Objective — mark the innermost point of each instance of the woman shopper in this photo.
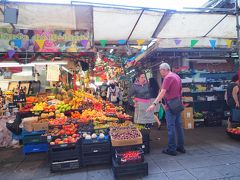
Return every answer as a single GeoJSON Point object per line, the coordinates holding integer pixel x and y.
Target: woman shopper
{"type": "Point", "coordinates": [142, 99]}
{"type": "Point", "coordinates": [232, 97]}
{"type": "Point", "coordinates": [154, 90]}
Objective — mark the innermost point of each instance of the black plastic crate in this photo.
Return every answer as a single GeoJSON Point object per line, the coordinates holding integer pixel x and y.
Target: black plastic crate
{"type": "Point", "coordinates": [34, 139]}
{"type": "Point", "coordinates": [129, 169]}
{"type": "Point", "coordinates": [64, 152]}
{"type": "Point", "coordinates": [64, 165]}
{"type": "Point", "coordinates": [234, 136]}
{"type": "Point", "coordinates": [96, 158]}
{"type": "Point", "coordinates": [97, 147]}
{"type": "Point", "coordinates": [119, 157]}
{"type": "Point", "coordinates": [126, 148]}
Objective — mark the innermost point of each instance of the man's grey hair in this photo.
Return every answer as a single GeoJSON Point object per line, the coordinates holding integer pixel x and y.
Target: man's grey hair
{"type": "Point", "coordinates": [165, 66]}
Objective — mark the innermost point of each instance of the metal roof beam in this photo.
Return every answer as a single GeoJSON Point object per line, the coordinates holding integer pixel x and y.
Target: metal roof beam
{"type": "Point", "coordinates": [215, 25]}
{"type": "Point", "coordinates": [135, 26]}
{"type": "Point", "coordinates": [163, 21]}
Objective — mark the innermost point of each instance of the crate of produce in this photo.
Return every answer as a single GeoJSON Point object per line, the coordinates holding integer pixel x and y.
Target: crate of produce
{"type": "Point", "coordinates": [26, 133]}
{"type": "Point", "coordinates": [234, 133]}
{"type": "Point", "coordinates": [88, 139]}
{"type": "Point", "coordinates": [34, 148]}
{"type": "Point", "coordinates": [34, 139]}
{"type": "Point", "coordinates": [129, 156]}
{"type": "Point", "coordinates": [98, 147]}
{"type": "Point", "coordinates": [63, 152]}
{"type": "Point", "coordinates": [96, 158]}
{"type": "Point", "coordinates": [125, 136]}
{"type": "Point", "coordinates": [64, 165]}
{"type": "Point", "coordinates": [129, 169]}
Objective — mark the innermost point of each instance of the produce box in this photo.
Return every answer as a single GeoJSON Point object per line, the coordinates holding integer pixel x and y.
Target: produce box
{"type": "Point", "coordinates": [40, 126]}
{"type": "Point", "coordinates": [35, 139]}
{"type": "Point", "coordinates": [233, 135]}
{"type": "Point", "coordinates": [130, 136]}
{"type": "Point", "coordinates": [64, 152]}
{"type": "Point", "coordinates": [96, 147]}
{"type": "Point", "coordinates": [96, 140]}
{"type": "Point", "coordinates": [188, 123]}
{"type": "Point", "coordinates": [96, 153]}
{"type": "Point", "coordinates": [129, 169]}
{"type": "Point", "coordinates": [187, 118]}
{"type": "Point", "coordinates": [64, 165]}
{"type": "Point", "coordinates": [34, 148]}
{"type": "Point", "coordinates": [96, 158]}
{"type": "Point", "coordinates": [26, 133]}
{"type": "Point", "coordinates": [129, 157]}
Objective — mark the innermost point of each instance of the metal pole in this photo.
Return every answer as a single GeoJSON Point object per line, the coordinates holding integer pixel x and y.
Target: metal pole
{"type": "Point", "coordinates": [237, 28]}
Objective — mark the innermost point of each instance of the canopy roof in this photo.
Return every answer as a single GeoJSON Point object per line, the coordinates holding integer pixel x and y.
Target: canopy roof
{"type": "Point", "coordinates": [113, 24]}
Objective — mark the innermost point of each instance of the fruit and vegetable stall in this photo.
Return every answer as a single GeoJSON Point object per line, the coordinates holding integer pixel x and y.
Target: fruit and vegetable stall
{"type": "Point", "coordinates": [80, 130]}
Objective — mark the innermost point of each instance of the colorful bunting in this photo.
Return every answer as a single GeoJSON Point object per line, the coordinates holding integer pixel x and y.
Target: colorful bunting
{"type": "Point", "coordinates": [229, 43]}
{"type": "Point", "coordinates": [121, 42]}
{"type": "Point", "coordinates": [193, 43]}
{"type": "Point", "coordinates": [213, 43]}
{"type": "Point", "coordinates": [40, 43]}
{"type": "Point", "coordinates": [178, 41]}
{"type": "Point", "coordinates": [84, 43]}
{"type": "Point", "coordinates": [140, 42]}
{"type": "Point", "coordinates": [18, 42]}
{"type": "Point", "coordinates": [11, 53]}
{"type": "Point", "coordinates": [103, 43]}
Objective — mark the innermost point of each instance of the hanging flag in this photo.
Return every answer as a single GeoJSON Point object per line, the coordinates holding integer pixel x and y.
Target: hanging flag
{"type": "Point", "coordinates": [11, 53]}
{"type": "Point", "coordinates": [193, 43]}
{"type": "Point", "coordinates": [18, 42]}
{"type": "Point", "coordinates": [84, 43]}
{"type": "Point", "coordinates": [178, 41]}
{"type": "Point", "coordinates": [122, 42]}
{"type": "Point", "coordinates": [229, 43]}
{"type": "Point", "coordinates": [140, 42]}
{"type": "Point", "coordinates": [40, 43]}
{"type": "Point", "coordinates": [213, 43]}
{"type": "Point", "coordinates": [103, 43]}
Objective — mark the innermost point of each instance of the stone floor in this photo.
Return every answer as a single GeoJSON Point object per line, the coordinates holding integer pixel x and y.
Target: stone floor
{"type": "Point", "coordinates": [211, 154]}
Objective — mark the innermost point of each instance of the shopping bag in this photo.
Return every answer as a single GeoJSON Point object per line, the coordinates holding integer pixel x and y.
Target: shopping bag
{"type": "Point", "coordinates": [175, 105]}
{"type": "Point", "coordinates": [160, 112]}
{"type": "Point", "coordinates": [236, 115]}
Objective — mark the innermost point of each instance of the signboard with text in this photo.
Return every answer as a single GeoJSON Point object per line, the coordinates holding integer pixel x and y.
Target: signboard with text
{"type": "Point", "coordinates": [22, 40]}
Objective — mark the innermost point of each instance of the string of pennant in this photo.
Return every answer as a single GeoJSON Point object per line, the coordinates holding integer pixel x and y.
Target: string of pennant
{"type": "Point", "coordinates": [103, 43]}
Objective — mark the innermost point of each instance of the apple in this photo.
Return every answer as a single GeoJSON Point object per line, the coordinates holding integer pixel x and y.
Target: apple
{"type": "Point", "coordinates": [52, 143]}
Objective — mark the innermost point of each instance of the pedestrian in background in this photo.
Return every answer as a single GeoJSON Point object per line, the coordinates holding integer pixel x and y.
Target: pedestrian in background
{"type": "Point", "coordinates": [154, 90]}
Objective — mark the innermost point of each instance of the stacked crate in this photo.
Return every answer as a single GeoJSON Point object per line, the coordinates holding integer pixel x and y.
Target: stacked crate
{"type": "Point", "coordinates": [96, 151]}
{"type": "Point", "coordinates": [64, 156]}
{"type": "Point", "coordinates": [129, 165]}
{"type": "Point", "coordinates": [34, 142]}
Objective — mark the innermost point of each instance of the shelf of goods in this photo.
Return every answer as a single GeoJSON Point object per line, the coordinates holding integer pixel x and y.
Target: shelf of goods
{"type": "Point", "coordinates": [206, 96]}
